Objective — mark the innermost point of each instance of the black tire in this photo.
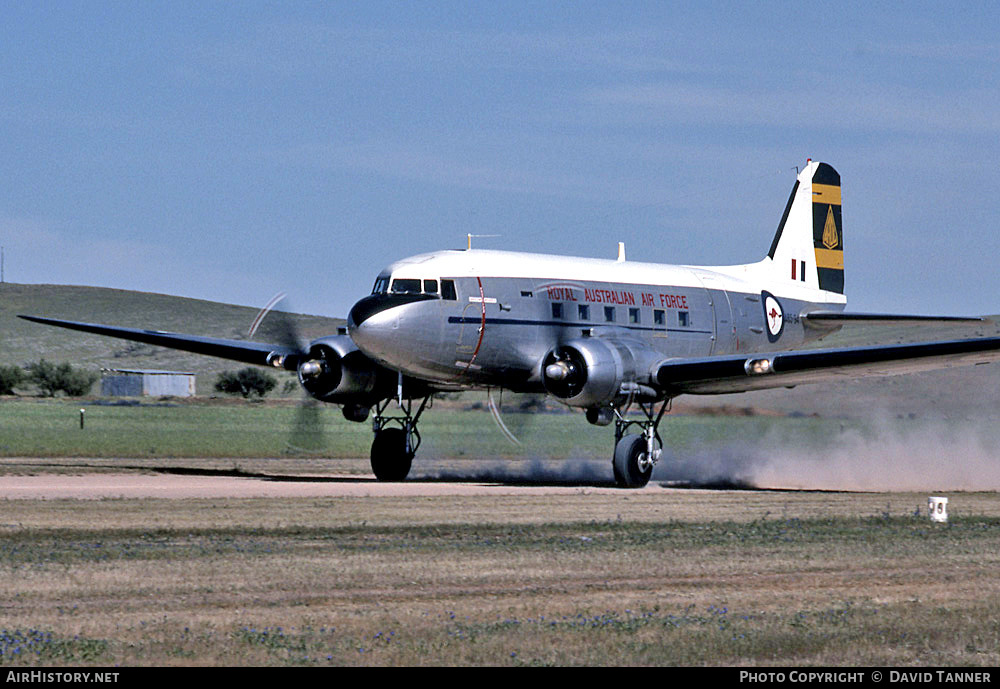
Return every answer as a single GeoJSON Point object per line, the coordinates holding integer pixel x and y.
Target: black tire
{"type": "Point", "coordinates": [628, 472]}
{"type": "Point", "coordinates": [390, 460]}
{"type": "Point", "coordinates": [619, 479]}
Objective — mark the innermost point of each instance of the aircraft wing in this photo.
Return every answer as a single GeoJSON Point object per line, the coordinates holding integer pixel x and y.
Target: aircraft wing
{"type": "Point", "coordinates": [236, 350]}
{"type": "Point", "coordinates": [740, 373]}
{"type": "Point", "coordinates": [833, 319]}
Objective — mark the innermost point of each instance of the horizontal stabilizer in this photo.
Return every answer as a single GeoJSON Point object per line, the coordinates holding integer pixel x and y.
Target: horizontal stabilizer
{"type": "Point", "coordinates": [715, 375]}
{"type": "Point", "coordinates": [235, 350]}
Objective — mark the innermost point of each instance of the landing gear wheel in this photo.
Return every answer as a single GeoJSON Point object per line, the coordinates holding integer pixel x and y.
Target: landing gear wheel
{"type": "Point", "coordinates": [631, 464]}
{"type": "Point", "coordinates": [390, 458]}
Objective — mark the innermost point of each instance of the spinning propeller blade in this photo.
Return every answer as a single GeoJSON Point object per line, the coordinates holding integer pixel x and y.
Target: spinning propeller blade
{"type": "Point", "coordinates": [495, 411]}
{"type": "Point", "coordinates": [307, 432]}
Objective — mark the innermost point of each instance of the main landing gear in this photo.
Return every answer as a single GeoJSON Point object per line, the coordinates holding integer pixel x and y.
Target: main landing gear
{"type": "Point", "coordinates": [397, 439]}
{"type": "Point", "coordinates": [395, 445]}
{"type": "Point", "coordinates": [636, 454]}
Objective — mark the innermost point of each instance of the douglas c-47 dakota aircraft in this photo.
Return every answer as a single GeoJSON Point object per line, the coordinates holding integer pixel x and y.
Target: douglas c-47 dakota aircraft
{"type": "Point", "coordinates": [600, 335]}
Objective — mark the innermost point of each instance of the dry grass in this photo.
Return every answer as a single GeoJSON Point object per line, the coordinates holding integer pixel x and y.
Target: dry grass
{"type": "Point", "coordinates": [671, 577]}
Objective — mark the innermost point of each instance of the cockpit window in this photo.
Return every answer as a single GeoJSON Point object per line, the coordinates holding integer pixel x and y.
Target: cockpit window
{"type": "Point", "coordinates": [406, 286]}
{"type": "Point", "coordinates": [448, 290]}
{"type": "Point", "coordinates": [385, 284]}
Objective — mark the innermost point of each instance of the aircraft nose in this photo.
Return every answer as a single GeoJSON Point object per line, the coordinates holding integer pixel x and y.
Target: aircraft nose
{"type": "Point", "coordinates": [373, 323]}
{"type": "Point", "coordinates": [362, 310]}
{"type": "Point", "coordinates": [375, 304]}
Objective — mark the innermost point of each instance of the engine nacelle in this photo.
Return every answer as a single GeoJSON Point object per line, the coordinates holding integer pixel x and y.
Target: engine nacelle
{"type": "Point", "coordinates": [335, 370]}
{"type": "Point", "coordinates": [588, 372]}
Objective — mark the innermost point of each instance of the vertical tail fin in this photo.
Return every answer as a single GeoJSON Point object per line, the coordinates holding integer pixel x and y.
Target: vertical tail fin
{"type": "Point", "coordinates": [809, 244]}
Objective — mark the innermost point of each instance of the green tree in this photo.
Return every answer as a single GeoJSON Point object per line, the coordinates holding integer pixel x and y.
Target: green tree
{"type": "Point", "coordinates": [10, 378]}
{"type": "Point", "coordinates": [52, 378]}
{"type": "Point", "coordinates": [247, 381]}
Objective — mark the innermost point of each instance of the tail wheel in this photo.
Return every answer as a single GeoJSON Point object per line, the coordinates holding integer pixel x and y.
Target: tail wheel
{"type": "Point", "coordinates": [632, 466]}
{"type": "Point", "coordinates": [391, 458]}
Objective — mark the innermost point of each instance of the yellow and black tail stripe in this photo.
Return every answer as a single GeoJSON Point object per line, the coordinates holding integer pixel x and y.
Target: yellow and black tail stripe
{"type": "Point", "coordinates": [828, 229]}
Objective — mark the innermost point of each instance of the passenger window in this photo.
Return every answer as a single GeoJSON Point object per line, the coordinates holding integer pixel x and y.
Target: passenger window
{"type": "Point", "coordinates": [659, 317]}
{"type": "Point", "coordinates": [430, 286]}
{"type": "Point", "coordinates": [583, 312]}
{"type": "Point", "coordinates": [609, 314]}
{"type": "Point", "coordinates": [683, 319]}
{"type": "Point", "coordinates": [633, 316]}
{"type": "Point", "coordinates": [557, 310]}
{"type": "Point", "coordinates": [448, 290]}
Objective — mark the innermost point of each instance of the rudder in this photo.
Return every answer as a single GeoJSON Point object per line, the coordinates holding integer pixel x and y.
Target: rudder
{"type": "Point", "coordinates": [809, 243]}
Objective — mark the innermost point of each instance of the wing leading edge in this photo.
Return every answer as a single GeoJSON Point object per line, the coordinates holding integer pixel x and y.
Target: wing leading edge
{"type": "Point", "coordinates": [236, 350]}
{"type": "Point", "coordinates": [715, 375]}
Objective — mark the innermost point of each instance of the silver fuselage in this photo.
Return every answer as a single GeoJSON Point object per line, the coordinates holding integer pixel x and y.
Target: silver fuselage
{"type": "Point", "coordinates": [508, 309]}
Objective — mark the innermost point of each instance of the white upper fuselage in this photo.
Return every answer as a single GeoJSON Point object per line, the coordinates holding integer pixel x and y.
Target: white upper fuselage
{"type": "Point", "coordinates": [750, 277]}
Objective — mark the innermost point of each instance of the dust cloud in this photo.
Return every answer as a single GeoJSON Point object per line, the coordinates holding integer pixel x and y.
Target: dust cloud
{"type": "Point", "coordinates": [891, 455]}
{"type": "Point", "coordinates": [516, 472]}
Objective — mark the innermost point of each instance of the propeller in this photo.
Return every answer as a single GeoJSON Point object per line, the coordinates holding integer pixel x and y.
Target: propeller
{"type": "Point", "coordinates": [268, 307]}
{"type": "Point", "coordinates": [495, 411]}
{"type": "Point", "coordinates": [279, 326]}
{"type": "Point", "coordinates": [564, 372]}
{"type": "Point", "coordinates": [521, 409]}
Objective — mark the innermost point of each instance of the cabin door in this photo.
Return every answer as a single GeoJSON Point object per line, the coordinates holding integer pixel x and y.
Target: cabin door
{"type": "Point", "coordinates": [724, 335]}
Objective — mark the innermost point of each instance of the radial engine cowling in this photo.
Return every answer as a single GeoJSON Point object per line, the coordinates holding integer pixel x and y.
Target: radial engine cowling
{"type": "Point", "coordinates": [588, 372]}
{"type": "Point", "coordinates": [335, 370]}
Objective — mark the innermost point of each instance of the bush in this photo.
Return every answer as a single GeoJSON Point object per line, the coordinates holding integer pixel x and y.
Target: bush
{"type": "Point", "coordinates": [52, 378]}
{"type": "Point", "coordinates": [247, 381]}
{"type": "Point", "coordinates": [10, 378]}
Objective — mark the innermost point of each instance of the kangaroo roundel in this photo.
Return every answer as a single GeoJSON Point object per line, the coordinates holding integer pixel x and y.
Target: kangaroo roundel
{"type": "Point", "coordinates": [773, 316]}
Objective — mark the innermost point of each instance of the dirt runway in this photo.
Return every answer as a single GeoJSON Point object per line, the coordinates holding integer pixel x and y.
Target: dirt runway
{"type": "Point", "coordinates": [99, 486]}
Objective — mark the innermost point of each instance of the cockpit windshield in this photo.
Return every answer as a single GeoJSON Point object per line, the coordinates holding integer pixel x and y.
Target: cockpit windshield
{"type": "Point", "coordinates": [406, 286]}
{"type": "Point", "coordinates": [385, 284]}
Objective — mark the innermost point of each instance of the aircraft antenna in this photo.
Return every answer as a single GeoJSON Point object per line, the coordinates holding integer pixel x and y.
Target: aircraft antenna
{"type": "Point", "coordinates": [470, 236]}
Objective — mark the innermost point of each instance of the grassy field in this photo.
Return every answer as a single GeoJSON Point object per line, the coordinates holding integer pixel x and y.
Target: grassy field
{"type": "Point", "coordinates": [880, 452]}
{"type": "Point", "coordinates": [654, 578]}
{"type": "Point", "coordinates": [33, 427]}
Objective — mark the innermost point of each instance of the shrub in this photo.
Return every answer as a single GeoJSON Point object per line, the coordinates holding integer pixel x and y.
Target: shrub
{"type": "Point", "coordinates": [247, 381]}
{"type": "Point", "coordinates": [52, 378]}
{"type": "Point", "coordinates": [10, 378]}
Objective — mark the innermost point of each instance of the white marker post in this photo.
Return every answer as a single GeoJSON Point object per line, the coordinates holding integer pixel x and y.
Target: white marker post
{"type": "Point", "coordinates": [938, 508]}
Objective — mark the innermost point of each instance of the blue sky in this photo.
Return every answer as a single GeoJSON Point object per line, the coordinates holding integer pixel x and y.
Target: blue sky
{"type": "Point", "coordinates": [229, 151]}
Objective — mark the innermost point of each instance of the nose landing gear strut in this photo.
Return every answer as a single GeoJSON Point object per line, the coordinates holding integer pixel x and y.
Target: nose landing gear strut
{"type": "Point", "coordinates": [396, 439]}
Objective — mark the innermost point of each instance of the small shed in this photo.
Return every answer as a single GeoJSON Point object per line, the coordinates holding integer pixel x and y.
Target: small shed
{"type": "Point", "coordinates": [118, 382]}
